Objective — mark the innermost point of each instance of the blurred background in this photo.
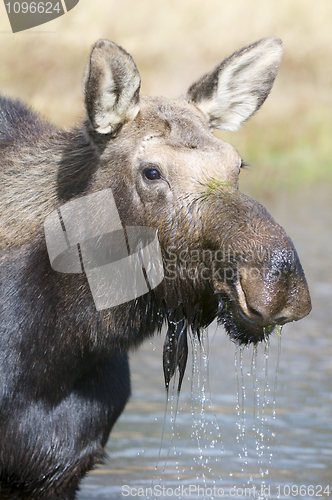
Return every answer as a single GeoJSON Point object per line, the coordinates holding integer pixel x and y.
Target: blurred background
{"type": "Point", "coordinates": [288, 146]}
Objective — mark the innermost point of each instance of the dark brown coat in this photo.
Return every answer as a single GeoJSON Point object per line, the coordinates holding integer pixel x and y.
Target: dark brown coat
{"type": "Point", "coordinates": [64, 370]}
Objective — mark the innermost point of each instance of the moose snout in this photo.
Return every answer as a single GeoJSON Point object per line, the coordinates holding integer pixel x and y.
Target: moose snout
{"type": "Point", "coordinates": [262, 283]}
{"type": "Point", "coordinates": [273, 294]}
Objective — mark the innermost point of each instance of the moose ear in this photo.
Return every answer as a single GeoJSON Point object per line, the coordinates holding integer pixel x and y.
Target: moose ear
{"type": "Point", "coordinates": [111, 87]}
{"type": "Point", "coordinates": [236, 88]}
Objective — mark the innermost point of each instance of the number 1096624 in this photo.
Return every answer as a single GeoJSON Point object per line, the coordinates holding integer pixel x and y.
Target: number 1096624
{"type": "Point", "coordinates": [33, 7]}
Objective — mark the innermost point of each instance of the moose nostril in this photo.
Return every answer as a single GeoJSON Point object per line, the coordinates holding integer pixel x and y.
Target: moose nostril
{"type": "Point", "coordinates": [254, 312]}
{"type": "Point", "coordinates": [249, 311]}
{"type": "Point", "coordinates": [262, 316]}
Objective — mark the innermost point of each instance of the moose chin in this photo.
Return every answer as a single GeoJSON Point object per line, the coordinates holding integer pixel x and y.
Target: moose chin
{"type": "Point", "coordinates": [129, 221]}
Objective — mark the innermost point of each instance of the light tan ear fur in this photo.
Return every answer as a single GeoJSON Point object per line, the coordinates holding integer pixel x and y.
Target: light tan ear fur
{"type": "Point", "coordinates": [235, 89]}
{"type": "Point", "coordinates": [111, 87]}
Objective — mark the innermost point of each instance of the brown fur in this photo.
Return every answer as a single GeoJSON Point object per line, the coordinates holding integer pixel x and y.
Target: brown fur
{"type": "Point", "coordinates": [64, 369]}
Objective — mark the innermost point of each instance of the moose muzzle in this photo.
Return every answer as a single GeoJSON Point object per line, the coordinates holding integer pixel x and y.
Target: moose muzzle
{"type": "Point", "coordinates": [260, 280]}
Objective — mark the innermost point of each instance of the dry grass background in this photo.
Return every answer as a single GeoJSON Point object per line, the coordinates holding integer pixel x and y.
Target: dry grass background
{"type": "Point", "coordinates": [288, 143]}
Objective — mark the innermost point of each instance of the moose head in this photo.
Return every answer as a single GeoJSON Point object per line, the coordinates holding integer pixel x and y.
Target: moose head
{"type": "Point", "coordinates": [224, 256]}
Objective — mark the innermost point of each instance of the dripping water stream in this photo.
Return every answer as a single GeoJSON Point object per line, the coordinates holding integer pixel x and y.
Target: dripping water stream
{"type": "Point", "coordinates": [205, 430]}
{"type": "Point", "coordinates": [253, 395]}
{"type": "Point", "coordinates": [205, 427]}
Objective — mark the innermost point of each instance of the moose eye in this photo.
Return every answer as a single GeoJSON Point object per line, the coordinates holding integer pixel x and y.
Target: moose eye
{"type": "Point", "coordinates": [152, 173]}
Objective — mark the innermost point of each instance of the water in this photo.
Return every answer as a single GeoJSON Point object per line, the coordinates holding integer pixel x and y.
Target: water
{"type": "Point", "coordinates": [236, 427]}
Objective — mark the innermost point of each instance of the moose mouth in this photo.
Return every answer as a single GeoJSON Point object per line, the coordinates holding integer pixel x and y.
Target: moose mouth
{"type": "Point", "coordinates": [250, 305]}
{"type": "Point", "coordinates": [240, 327]}
{"type": "Point", "coordinates": [243, 323]}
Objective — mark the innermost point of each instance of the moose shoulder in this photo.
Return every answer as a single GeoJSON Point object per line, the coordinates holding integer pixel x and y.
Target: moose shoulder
{"type": "Point", "coordinates": [135, 164]}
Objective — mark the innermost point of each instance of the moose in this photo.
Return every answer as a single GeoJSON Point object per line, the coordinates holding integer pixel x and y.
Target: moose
{"type": "Point", "coordinates": [64, 361]}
